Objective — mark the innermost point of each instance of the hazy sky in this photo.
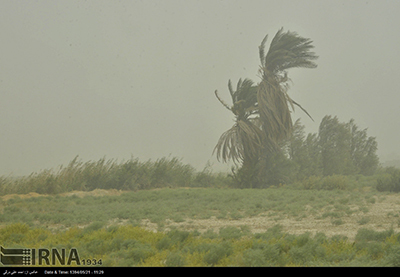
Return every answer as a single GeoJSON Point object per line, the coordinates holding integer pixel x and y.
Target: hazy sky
{"type": "Point", "coordinates": [117, 79]}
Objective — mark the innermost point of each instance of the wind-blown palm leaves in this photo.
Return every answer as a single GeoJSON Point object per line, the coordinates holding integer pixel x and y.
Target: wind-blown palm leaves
{"type": "Point", "coordinates": [245, 138]}
{"type": "Point", "coordinates": [287, 50]}
{"type": "Point", "coordinates": [263, 111]}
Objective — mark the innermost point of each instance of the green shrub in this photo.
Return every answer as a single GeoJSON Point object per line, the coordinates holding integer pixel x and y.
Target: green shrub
{"type": "Point", "coordinates": [366, 235]}
{"type": "Point", "coordinates": [216, 252]}
{"type": "Point", "coordinates": [174, 237]}
{"type": "Point", "coordinates": [94, 226]}
{"type": "Point", "coordinates": [210, 234]}
{"type": "Point", "coordinates": [270, 252]}
{"type": "Point", "coordinates": [175, 259]}
{"type": "Point", "coordinates": [97, 247]}
{"type": "Point", "coordinates": [273, 232]}
{"type": "Point", "coordinates": [331, 182]}
{"type": "Point", "coordinates": [300, 255]}
{"type": "Point", "coordinates": [11, 209]}
{"type": "Point", "coordinates": [13, 233]}
{"type": "Point", "coordinates": [393, 256]}
{"type": "Point", "coordinates": [375, 249]}
{"type": "Point", "coordinates": [177, 236]}
{"type": "Point", "coordinates": [334, 182]}
{"type": "Point", "coordinates": [253, 257]}
{"type": "Point", "coordinates": [312, 182]}
{"type": "Point", "coordinates": [390, 181]}
{"type": "Point", "coordinates": [230, 232]}
{"type": "Point", "coordinates": [140, 252]}
{"type": "Point", "coordinates": [364, 220]}
{"type": "Point", "coordinates": [115, 245]}
{"type": "Point", "coordinates": [203, 179]}
{"type": "Point", "coordinates": [128, 243]}
{"type": "Point", "coordinates": [337, 222]}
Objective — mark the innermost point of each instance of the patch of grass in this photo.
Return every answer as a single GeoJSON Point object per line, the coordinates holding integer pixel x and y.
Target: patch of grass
{"type": "Point", "coordinates": [363, 220]}
{"type": "Point", "coordinates": [108, 174]}
{"type": "Point", "coordinates": [332, 214]}
{"type": "Point", "coordinates": [337, 222]}
{"type": "Point", "coordinates": [230, 232]}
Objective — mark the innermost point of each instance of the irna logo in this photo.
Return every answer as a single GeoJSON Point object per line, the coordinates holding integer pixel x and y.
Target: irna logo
{"type": "Point", "coordinates": [41, 256]}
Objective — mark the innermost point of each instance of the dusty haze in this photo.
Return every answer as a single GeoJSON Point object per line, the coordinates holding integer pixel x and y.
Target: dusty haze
{"type": "Point", "coordinates": [117, 79]}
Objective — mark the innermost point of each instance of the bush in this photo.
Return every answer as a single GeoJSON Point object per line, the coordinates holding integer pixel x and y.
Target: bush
{"type": "Point", "coordinates": [96, 247]}
{"type": "Point", "coordinates": [13, 233]}
{"type": "Point", "coordinates": [366, 235]}
{"type": "Point", "coordinates": [216, 252]}
{"type": "Point", "coordinates": [174, 237]}
{"type": "Point", "coordinates": [97, 225]}
{"type": "Point", "coordinates": [140, 252]}
{"type": "Point", "coordinates": [175, 259]}
{"type": "Point", "coordinates": [275, 231]}
{"type": "Point", "coordinates": [334, 182]}
{"type": "Point", "coordinates": [253, 257]}
{"type": "Point", "coordinates": [390, 181]}
{"type": "Point", "coordinates": [312, 182]}
{"type": "Point", "coordinates": [331, 182]}
{"type": "Point", "coordinates": [270, 252]}
{"type": "Point", "coordinates": [230, 232]}
{"type": "Point", "coordinates": [393, 257]}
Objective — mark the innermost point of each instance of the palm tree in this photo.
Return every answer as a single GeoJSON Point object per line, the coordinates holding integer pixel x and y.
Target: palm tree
{"type": "Point", "coordinates": [243, 141]}
{"type": "Point", "coordinates": [263, 112]}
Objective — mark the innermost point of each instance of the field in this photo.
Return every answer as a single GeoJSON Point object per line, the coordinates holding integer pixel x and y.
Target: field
{"type": "Point", "coordinates": [277, 226]}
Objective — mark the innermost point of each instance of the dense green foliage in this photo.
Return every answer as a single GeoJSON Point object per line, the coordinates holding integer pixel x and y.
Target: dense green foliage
{"type": "Point", "coordinates": [134, 246]}
{"type": "Point", "coordinates": [338, 149]}
{"type": "Point", "coordinates": [389, 181]}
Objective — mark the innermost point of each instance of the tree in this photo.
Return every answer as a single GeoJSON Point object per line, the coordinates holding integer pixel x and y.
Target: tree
{"type": "Point", "coordinates": [345, 149]}
{"type": "Point", "coordinates": [363, 150]}
{"type": "Point", "coordinates": [335, 144]}
{"type": "Point", "coordinates": [242, 143]}
{"type": "Point", "coordinates": [304, 152]}
{"type": "Point", "coordinates": [313, 164]}
{"type": "Point", "coordinates": [263, 112]}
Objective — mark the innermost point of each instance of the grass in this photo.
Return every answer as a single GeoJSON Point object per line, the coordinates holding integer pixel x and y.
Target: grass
{"type": "Point", "coordinates": [133, 246]}
{"type": "Point", "coordinates": [180, 205]}
{"type": "Point", "coordinates": [28, 220]}
{"type": "Point", "coordinates": [134, 175]}
{"type": "Point", "coordinates": [130, 175]}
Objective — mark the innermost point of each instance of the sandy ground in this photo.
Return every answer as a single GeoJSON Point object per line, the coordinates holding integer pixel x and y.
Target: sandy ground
{"type": "Point", "coordinates": [96, 192]}
{"type": "Point", "coordinates": [381, 215]}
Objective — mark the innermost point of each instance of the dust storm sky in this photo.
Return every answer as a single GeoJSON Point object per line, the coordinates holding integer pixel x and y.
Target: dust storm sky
{"type": "Point", "coordinates": [117, 79]}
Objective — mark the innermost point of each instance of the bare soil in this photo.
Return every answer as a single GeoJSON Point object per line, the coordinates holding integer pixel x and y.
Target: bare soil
{"type": "Point", "coordinates": [380, 216]}
{"type": "Point", "coordinates": [96, 192]}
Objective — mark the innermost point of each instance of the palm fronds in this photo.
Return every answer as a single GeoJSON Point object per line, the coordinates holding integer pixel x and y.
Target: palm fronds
{"type": "Point", "coordinates": [242, 141]}
{"type": "Point", "coordinates": [263, 111]}
{"type": "Point", "coordinates": [287, 50]}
